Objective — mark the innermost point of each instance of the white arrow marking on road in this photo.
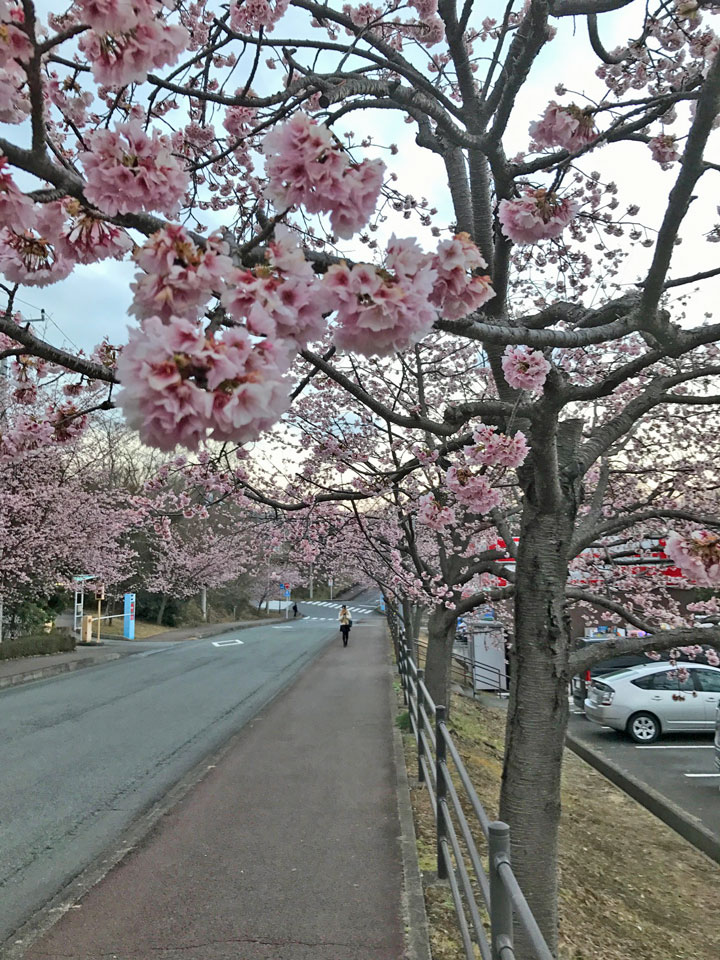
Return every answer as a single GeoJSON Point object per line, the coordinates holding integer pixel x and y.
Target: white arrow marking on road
{"type": "Point", "coordinates": [227, 643]}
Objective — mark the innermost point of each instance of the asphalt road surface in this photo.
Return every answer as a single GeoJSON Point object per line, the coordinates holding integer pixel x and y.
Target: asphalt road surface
{"type": "Point", "coordinates": [83, 755]}
{"type": "Point", "coordinates": [679, 767]}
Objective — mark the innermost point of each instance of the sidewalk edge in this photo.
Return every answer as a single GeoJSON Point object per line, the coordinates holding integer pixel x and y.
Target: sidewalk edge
{"type": "Point", "coordinates": [42, 673]}
{"type": "Point", "coordinates": [417, 941]}
{"type": "Point", "coordinates": [675, 817]}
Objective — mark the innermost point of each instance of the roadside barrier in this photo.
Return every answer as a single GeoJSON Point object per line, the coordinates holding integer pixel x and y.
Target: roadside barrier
{"type": "Point", "coordinates": [494, 891]}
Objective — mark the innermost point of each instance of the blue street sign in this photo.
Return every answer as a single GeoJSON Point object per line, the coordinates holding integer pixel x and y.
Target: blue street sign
{"type": "Point", "coordinates": [129, 621]}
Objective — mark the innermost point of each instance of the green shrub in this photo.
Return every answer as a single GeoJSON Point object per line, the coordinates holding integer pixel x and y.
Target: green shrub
{"type": "Point", "coordinates": [33, 644]}
{"type": "Point", "coordinates": [402, 721]}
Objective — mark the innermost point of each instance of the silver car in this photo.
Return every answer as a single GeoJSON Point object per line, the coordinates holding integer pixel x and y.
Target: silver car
{"type": "Point", "coordinates": [654, 698]}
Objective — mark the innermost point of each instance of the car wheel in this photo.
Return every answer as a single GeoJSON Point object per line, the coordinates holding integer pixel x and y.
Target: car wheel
{"type": "Point", "coordinates": [643, 728]}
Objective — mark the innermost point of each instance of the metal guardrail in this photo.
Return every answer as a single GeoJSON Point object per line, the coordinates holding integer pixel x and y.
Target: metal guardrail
{"type": "Point", "coordinates": [475, 889]}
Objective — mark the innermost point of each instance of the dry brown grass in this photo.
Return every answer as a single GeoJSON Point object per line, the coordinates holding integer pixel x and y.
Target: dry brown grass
{"type": "Point", "coordinates": [631, 888]}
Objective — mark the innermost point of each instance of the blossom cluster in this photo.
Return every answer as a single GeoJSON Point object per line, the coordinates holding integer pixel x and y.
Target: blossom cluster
{"type": "Point", "coordinates": [664, 150]}
{"type": "Point", "coordinates": [569, 127]}
{"type": "Point", "coordinates": [525, 369]}
{"type": "Point", "coordinates": [180, 385]}
{"type": "Point", "coordinates": [537, 215]}
{"type": "Point", "coordinates": [127, 39]}
{"type": "Point", "coordinates": [698, 556]}
{"type": "Point", "coordinates": [178, 277]}
{"type": "Point", "coordinates": [383, 311]}
{"type": "Point", "coordinates": [306, 165]}
{"type": "Point", "coordinates": [131, 171]}
{"type": "Point", "coordinates": [497, 449]}
{"type": "Point", "coordinates": [434, 515]}
{"type": "Point", "coordinates": [43, 242]}
{"type": "Point", "coordinates": [15, 49]}
{"type": "Point", "coordinates": [473, 490]}
{"type": "Point", "coordinates": [282, 299]}
{"type": "Point", "coordinates": [460, 286]}
{"type": "Point", "coordinates": [247, 16]}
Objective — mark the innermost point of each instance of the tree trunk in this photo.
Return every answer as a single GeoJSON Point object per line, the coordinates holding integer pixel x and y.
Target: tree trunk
{"type": "Point", "coordinates": [537, 714]}
{"type": "Point", "coordinates": [161, 611]}
{"type": "Point", "coordinates": [438, 663]}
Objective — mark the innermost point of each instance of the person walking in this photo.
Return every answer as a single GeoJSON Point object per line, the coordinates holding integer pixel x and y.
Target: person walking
{"type": "Point", "coordinates": [295, 610]}
{"type": "Point", "coordinates": [345, 624]}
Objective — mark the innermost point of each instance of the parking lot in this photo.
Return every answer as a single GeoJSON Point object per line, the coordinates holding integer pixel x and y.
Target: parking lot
{"type": "Point", "coordinates": [677, 770]}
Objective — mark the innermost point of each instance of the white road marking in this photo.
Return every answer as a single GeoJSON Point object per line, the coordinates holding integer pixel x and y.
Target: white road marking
{"type": "Point", "coordinates": [228, 643]}
{"type": "Point", "coordinates": [679, 746]}
{"type": "Point", "coordinates": [711, 776]}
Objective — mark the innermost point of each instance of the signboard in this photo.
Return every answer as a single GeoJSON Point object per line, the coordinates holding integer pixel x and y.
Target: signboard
{"type": "Point", "coordinates": [287, 592]}
{"type": "Point", "coordinates": [129, 620]}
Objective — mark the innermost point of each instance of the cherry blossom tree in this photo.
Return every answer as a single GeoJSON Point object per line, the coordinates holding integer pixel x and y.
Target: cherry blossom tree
{"type": "Point", "coordinates": [217, 149]}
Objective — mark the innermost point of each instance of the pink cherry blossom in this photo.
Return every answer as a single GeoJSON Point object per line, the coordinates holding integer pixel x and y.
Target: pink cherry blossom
{"type": "Point", "coordinates": [538, 215]}
{"type": "Point", "coordinates": [473, 490]}
{"type": "Point", "coordinates": [569, 127]}
{"type": "Point", "coordinates": [497, 449]}
{"type": "Point", "coordinates": [461, 287]}
{"type": "Point", "coordinates": [434, 515]}
{"type": "Point", "coordinates": [85, 238]}
{"type": "Point", "coordinates": [115, 16]}
{"type": "Point", "coordinates": [249, 15]}
{"type": "Point", "coordinates": [179, 386]}
{"type": "Point", "coordinates": [383, 311]}
{"type": "Point", "coordinates": [525, 369]}
{"type": "Point", "coordinates": [698, 556]}
{"type": "Point", "coordinates": [16, 209]}
{"type": "Point", "coordinates": [14, 99]}
{"type": "Point", "coordinates": [664, 150]}
{"type": "Point", "coordinates": [306, 165]}
{"type": "Point", "coordinates": [177, 277]}
{"type": "Point", "coordinates": [14, 42]}
{"type": "Point", "coordinates": [130, 171]}
{"type": "Point", "coordinates": [282, 300]}
{"type": "Point", "coordinates": [119, 59]}
{"type": "Point", "coordinates": [34, 257]}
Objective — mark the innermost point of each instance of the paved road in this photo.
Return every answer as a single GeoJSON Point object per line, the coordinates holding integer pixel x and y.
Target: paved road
{"type": "Point", "coordinates": [286, 850]}
{"type": "Point", "coordinates": [680, 768]}
{"type": "Point", "coordinates": [81, 756]}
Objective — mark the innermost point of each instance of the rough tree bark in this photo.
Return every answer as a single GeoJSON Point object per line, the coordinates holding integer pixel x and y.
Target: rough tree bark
{"type": "Point", "coordinates": [438, 664]}
{"type": "Point", "coordinates": [538, 707]}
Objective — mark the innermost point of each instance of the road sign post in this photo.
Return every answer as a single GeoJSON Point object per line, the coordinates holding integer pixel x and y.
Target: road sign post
{"type": "Point", "coordinates": [129, 618]}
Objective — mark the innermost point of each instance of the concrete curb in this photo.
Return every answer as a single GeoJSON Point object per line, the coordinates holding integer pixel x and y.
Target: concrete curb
{"type": "Point", "coordinates": [42, 673]}
{"type": "Point", "coordinates": [689, 827]}
{"type": "Point", "coordinates": [417, 942]}
{"type": "Point", "coordinates": [57, 668]}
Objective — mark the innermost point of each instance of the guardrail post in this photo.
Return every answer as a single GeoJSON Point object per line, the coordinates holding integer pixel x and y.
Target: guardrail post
{"type": "Point", "coordinates": [419, 703]}
{"type": "Point", "coordinates": [404, 670]}
{"type": "Point", "coordinates": [501, 915]}
{"type": "Point", "coordinates": [441, 790]}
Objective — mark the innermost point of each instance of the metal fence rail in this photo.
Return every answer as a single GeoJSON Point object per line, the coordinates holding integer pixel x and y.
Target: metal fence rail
{"type": "Point", "coordinates": [488, 899]}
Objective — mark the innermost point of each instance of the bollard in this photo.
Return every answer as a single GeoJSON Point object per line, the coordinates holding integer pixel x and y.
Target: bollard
{"type": "Point", "coordinates": [441, 791]}
{"type": "Point", "coordinates": [501, 915]}
{"type": "Point", "coordinates": [420, 745]}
